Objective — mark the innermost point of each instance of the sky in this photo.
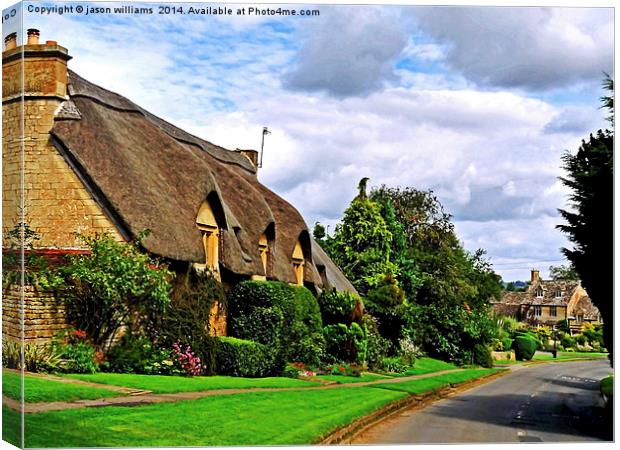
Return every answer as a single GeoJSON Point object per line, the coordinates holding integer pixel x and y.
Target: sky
{"type": "Point", "coordinates": [477, 104]}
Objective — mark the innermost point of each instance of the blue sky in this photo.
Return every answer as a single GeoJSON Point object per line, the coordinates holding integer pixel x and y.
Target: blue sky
{"type": "Point", "coordinates": [476, 103]}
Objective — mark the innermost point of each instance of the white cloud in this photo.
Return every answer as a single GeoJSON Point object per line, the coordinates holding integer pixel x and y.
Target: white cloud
{"type": "Point", "coordinates": [348, 52]}
{"type": "Point", "coordinates": [533, 48]}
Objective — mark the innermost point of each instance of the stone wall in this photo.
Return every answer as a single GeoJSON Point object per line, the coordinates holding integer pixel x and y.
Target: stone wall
{"type": "Point", "coordinates": [56, 203]}
{"type": "Point", "coordinates": [44, 314]}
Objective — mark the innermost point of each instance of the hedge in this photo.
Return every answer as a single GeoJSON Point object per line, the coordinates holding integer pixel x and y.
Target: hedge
{"type": "Point", "coordinates": [242, 358]}
{"type": "Point", "coordinates": [286, 318]}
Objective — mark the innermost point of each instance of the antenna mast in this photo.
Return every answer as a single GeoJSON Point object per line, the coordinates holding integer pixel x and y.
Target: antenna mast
{"type": "Point", "coordinates": [262, 146]}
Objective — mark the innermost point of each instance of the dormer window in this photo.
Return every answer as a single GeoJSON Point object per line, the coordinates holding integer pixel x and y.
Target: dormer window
{"type": "Point", "coordinates": [298, 264]}
{"type": "Point", "coordinates": [539, 292]}
{"type": "Point", "coordinates": [207, 224]}
{"type": "Point", "coordinates": [263, 248]}
{"type": "Point", "coordinates": [558, 293]}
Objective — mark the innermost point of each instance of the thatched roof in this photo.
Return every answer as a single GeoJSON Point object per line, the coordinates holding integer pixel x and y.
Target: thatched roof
{"type": "Point", "coordinates": [149, 174]}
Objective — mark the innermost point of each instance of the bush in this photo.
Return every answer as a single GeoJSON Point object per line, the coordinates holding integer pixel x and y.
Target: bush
{"type": "Point", "coordinates": [37, 358]}
{"type": "Point", "coordinates": [337, 307]}
{"type": "Point", "coordinates": [187, 319]}
{"type": "Point", "coordinates": [111, 286]}
{"type": "Point", "coordinates": [393, 365]}
{"type": "Point", "coordinates": [79, 357]}
{"type": "Point", "coordinates": [135, 354]}
{"type": "Point", "coordinates": [506, 344]}
{"type": "Point", "coordinates": [482, 356]}
{"type": "Point", "coordinates": [524, 347]}
{"type": "Point", "coordinates": [346, 343]}
{"type": "Point", "coordinates": [377, 347]}
{"type": "Point", "coordinates": [581, 339]}
{"type": "Point", "coordinates": [242, 358]}
{"type": "Point", "coordinates": [255, 308]}
{"type": "Point", "coordinates": [567, 340]}
{"type": "Point", "coordinates": [408, 351]}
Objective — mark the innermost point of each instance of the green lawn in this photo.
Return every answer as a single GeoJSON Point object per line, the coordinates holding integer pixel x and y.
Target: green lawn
{"type": "Point", "coordinates": [428, 384]}
{"type": "Point", "coordinates": [429, 365]}
{"type": "Point", "coordinates": [607, 386]}
{"type": "Point", "coordinates": [253, 418]}
{"type": "Point", "coordinates": [163, 384]}
{"type": "Point", "coordinates": [568, 355]}
{"type": "Point", "coordinates": [342, 379]}
{"type": "Point", "coordinates": [41, 390]}
{"type": "Point", "coordinates": [11, 423]}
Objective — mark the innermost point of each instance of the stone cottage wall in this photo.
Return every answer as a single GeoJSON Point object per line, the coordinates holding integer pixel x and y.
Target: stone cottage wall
{"type": "Point", "coordinates": [56, 203]}
{"type": "Point", "coordinates": [44, 314]}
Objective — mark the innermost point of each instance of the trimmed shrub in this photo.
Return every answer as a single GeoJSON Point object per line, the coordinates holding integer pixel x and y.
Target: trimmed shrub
{"type": "Point", "coordinates": [524, 347]}
{"type": "Point", "coordinates": [482, 356]}
{"type": "Point", "coordinates": [242, 358]}
{"type": "Point", "coordinates": [285, 318]}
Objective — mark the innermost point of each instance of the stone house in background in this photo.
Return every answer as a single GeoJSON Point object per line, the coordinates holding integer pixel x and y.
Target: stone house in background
{"type": "Point", "coordinates": [547, 302]}
{"type": "Point", "coordinates": [95, 162]}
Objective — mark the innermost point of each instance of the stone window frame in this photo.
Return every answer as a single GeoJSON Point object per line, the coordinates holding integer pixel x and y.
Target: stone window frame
{"type": "Point", "coordinates": [540, 293]}
{"type": "Point", "coordinates": [553, 311]}
{"type": "Point", "coordinates": [537, 310]}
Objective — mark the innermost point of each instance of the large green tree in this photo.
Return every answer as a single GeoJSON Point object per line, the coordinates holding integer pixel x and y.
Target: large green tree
{"type": "Point", "coordinates": [361, 244]}
{"type": "Point", "coordinates": [589, 221]}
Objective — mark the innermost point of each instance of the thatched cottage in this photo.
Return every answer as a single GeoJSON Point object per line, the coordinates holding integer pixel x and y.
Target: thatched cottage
{"type": "Point", "coordinates": [95, 162]}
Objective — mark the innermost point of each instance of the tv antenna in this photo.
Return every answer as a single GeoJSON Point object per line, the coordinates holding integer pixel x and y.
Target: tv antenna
{"type": "Point", "coordinates": [262, 145]}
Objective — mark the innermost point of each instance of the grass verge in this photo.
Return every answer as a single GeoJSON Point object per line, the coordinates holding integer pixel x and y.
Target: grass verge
{"type": "Point", "coordinates": [342, 379]}
{"type": "Point", "coordinates": [433, 383]}
{"type": "Point", "coordinates": [42, 390]}
{"type": "Point", "coordinates": [607, 387]}
{"type": "Point", "coordinates": [253, 418]}
{"type": "Point", "coordinates": [568, 355]}
{"type": "Point", "coordinates": [163, 384]}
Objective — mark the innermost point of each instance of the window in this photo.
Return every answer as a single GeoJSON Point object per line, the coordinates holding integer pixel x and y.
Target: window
{"type": "Point", "coordinates": [207, 225]}
{"type": "Point", "coordinates": [263, 248]}
{"type": "Point", "coordinates": [558, 293]}
{"type": "Point", "coordinates": [553, 311]}
{"type": "Point", "coordinates": [537, 311]}
{"type": "Point", "coordinates": [539, 292]}
{"type": "Point", "coordinates": [298, 264]}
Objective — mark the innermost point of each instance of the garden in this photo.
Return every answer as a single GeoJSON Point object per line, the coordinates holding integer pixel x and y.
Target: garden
{"type": "Point", "coordinates": [295, 365]}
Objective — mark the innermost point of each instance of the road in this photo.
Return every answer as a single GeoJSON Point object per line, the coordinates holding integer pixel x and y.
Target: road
{"type": "Point", "coordinates": [551, 402]}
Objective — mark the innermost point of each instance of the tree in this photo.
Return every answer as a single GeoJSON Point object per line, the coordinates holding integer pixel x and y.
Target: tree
{"type": "Point", "coordinates": [589, 222]}
{"type": "Point", "coordinates": [361, 245]}
{"type": "Point", "coordinates": [567, 272]}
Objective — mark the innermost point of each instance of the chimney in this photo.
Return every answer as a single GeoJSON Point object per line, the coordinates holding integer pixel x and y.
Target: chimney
{"type": "Point", "coordinates": [33, 36]}
{"type": "Point", "coordinates": [10, 42]}
{"type": "Point", "coordinates": [535, 275]}
{"type": "Point", "coordinates": [44, 68]}
{"type": "Point", "coordinates": [252, 155]}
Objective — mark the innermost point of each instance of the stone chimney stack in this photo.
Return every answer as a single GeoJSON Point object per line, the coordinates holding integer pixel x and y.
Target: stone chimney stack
{"type": "Point", "coordinates": [33, 36]}
{"type": "Point", "coordinates": [535, 275]}
{"type": "Point", "coordinates": [10, 41]}
{"type": "Point", "coordinates": [29, 103]}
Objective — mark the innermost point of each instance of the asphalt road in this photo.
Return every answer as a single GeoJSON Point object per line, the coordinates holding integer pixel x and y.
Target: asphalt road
{"type": "Point", "coordinates": [554, 402]}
